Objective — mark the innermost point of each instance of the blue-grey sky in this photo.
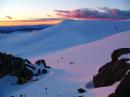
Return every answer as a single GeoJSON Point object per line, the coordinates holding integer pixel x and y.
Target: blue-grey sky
{"type": "Point", "coordinates": [24, 9]}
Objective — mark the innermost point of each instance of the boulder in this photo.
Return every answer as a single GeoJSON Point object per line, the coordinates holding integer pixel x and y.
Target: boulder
{"type": "Point", "coordinates": [27, 61]}
{"type": "Point", "coordinates": [81, 90]}
{"type": "Point", "coordinates": [111, 72]}
{"type": "Point", "coordinates": [44, 71]}
{"type": "Point", "coordinates": [14, 66]}
{"type": "Point", "coordinates": [43, 62]}
{"type": "Point", "coordinates": [123, 89]}
{"type": "Point", "coordinates": [112, 95]}
{"type": "Point", "coordinates": [117, 53]}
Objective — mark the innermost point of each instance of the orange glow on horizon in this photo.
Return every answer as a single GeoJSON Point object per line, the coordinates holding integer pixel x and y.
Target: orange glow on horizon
{"type": "Point", "coordinates": [28, 22]}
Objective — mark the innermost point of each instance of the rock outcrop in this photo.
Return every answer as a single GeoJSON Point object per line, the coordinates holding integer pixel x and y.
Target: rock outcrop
{"type": "Point", "coordinates": [112, 71]}
{"type": "Point", "coordinates": [14, 66]}
{"type": "Point", "coordinates": [123, 89]}
{"type": "Point", "coordinates": [117, 53]}
{"type": "Point", "coordinates": [43, 62]}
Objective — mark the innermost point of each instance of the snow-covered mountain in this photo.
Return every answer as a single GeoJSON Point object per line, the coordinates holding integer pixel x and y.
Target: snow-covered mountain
{"type": "Point", "coordinates": [81, 54]}
{"type": "Point", "coordinates": [64, 35]}
{"type": "Point", "coordinates": [65, 77]}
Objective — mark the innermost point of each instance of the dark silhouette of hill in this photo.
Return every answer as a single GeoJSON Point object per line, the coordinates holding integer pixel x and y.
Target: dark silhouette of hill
{"type": "Point", "coordinates": [10, 29]}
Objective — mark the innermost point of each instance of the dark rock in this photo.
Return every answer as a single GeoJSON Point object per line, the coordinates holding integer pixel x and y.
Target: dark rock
{"type": "Point", "coordinates": [14, 66]}
{"type": "Point", "coordinates": [44, 71]}
{"type": "Point", "coordinates": [43, 62]}
{"type": "Point", "coordinates": [61, 57]}
{"type": "Point", "coordinates": [71, 62]}
{"type": "Point", "coordinates": [117, 53]}
{"type": "Point", "coordinates": [81, 96]}
{"type": "Point", "coordinates": [31, 67]}
{"type": "Point", "coordinates": [26, 73]}
{"type": "Point", "coordinates": [123, 89]}
{"type": "Point", "coordinates": [21, 80]}
{"type": "Point", "coordinates": [111, 72]}
{"type": "Point", "coordinates": [112, 95]}
{"type": "Point", "coordinates": [21, 95]}
{"type": "Point", "coordinates": [27, 61]}
{"type": "Point", "coordinates": [81, 90]}
{"type": "Point", "coordinates": [39, 62]}
{"type": "Point", "coordinates": [17, 66]}
{"type": "Point", "coordinates": [48, 67]}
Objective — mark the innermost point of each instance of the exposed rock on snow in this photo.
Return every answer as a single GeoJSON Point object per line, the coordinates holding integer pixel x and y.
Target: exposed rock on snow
{"type": "Point", "coordinates": [81, 90]}
{"type": "Point", "coordinates": [14, 66]}
{"type": "Point", "coordinates": [123, 89]}
{"type": "Point", "coordinates": [42, 62]}
{"type": "Point", "coordinates": [20, 68]}
{"type": "Point", "coordinates": [119, 52]}
{"type": "Point", "coordinates": [113, 71]}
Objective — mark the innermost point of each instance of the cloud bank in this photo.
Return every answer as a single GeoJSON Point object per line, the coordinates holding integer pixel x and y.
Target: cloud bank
{"type": "Point", "coordinates": [100, 13]}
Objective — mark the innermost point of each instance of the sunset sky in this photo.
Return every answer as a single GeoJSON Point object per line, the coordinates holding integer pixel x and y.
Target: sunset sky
{"type": "Point", "coordinates": [36, 11]}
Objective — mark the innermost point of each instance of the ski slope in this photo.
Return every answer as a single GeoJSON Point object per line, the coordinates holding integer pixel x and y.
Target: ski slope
{"type": "Point", "coordinates": [64, 35]}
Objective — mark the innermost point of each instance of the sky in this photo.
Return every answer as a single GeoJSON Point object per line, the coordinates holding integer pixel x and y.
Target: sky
{"type": "Point", "coordinates": [12, 10]}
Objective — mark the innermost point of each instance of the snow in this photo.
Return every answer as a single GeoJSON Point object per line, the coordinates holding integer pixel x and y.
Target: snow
{"type": "Point", "coordinates": [75, 59]}
{"type": "Point", "coordinates": [27, 28]}
{"type": "Point", "coordinates": [67, 34]}
{"type": "Point", "coordinates": [55, 87]}
{"type": "Point", "coordinates": [87, 59]}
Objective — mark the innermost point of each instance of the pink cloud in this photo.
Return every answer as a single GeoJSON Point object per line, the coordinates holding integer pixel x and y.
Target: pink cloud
{"type": "Point", "coordinates": [102, 13]}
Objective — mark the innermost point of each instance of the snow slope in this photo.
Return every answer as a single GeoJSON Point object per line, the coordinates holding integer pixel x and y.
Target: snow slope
{"type": "Point", "coordinates": [72, 68]}
{"type": "Point", "coordinates": [67, 34]}
{"type": "Point", "coordinates": [87, 59]}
